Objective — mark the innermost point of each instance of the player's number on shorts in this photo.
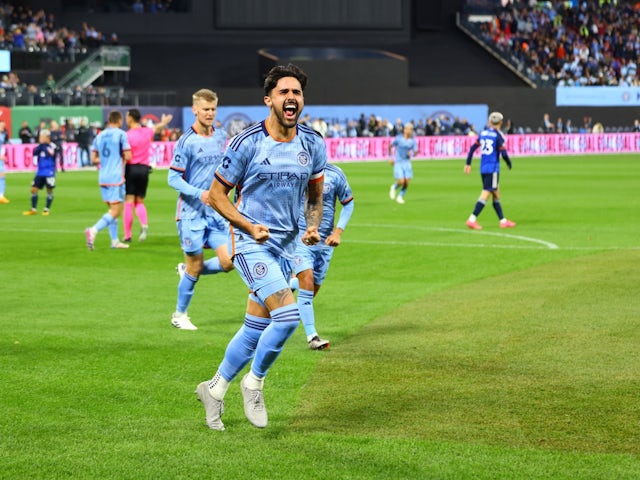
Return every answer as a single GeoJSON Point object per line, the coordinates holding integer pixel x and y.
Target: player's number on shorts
{"type": "Point", "coordinates": [486, 146]}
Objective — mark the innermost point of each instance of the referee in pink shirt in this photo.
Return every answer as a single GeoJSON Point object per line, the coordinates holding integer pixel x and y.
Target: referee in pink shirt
{"type": "Point", "coordinates": [137, 170]}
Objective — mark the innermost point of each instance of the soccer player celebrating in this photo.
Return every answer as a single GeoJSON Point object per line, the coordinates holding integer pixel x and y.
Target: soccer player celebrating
{"type": "Point", "coordinates": [406, 147]}
{"type": "Point", "coordinates": [491, 143]}
{"type": "Point", "coordinates": [311, 262]}
{"type": "Point", "coordinates": [196, 156]}
{"type": "Point", "coordinates": [44, 158]}
{"type": "Point", "coordinates": [110, 150]}
{"type": "Point", "coordinates": [271, 164]}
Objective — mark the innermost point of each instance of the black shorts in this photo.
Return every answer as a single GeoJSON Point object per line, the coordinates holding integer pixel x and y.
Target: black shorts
{"type": "Point", "coordinates": [490, 181]}
{"type": "Point", "coordinates": [137, 179]}
{"type": "Point", "coordinates": [41, 182]}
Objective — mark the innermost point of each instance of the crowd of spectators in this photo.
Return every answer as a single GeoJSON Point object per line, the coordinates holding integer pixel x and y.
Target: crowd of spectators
{"type": "Point", "coordinates": [376, 126]}
{"type": "Point", "coordinates": [25, 29]}
{"type": "Point", "coordinates": [567, 43]}
{"type": "Point", "coordinates": [36, 32]}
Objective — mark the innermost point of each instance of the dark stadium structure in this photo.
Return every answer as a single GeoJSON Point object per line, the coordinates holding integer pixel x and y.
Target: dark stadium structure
{"type": "Point", "coordinates": [217, 44]}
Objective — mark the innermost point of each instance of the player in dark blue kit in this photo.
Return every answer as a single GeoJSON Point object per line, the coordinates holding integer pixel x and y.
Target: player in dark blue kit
{"type": "Point", "coordinates": [491, 143]}
{"type": "Point", "coordinates": [44, 158]}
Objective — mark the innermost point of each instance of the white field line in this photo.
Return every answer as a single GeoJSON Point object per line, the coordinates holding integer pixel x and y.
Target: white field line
{"type": "Point", "coordinates": [538, 244]}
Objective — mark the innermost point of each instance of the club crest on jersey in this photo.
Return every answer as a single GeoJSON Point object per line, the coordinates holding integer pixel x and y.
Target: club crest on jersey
{"type": "Point", "coordinates": [260, 269]}
{"type": "Point", "coordinates": [303, 159]}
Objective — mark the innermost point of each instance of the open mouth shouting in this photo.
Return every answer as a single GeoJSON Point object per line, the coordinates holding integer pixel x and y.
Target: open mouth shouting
{"type": "Point", "coordinates": [290, 111]}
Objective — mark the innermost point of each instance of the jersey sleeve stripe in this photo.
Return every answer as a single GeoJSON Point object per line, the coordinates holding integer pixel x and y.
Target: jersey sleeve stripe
{"type": "Point", "coordinates": [223, 181]}
{"type": "Point", "coordinates": [318, 177]}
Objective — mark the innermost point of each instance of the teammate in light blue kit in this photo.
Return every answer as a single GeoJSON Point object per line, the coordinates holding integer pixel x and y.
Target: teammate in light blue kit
{"type": "Point", "coordinates": [196, 156]}
{"type": "Point", "coordinates": [406, 147]}
{"type": "Point", "coordinates": [111, 150]}
{"type": "Point", "coordinates": [272, 164]}
{"type": "Point", "coordinates": [311, 263]}
{"type": "Point", "coordinates": [491, 144]}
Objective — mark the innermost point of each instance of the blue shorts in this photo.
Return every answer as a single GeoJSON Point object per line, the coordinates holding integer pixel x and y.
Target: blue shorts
{"type": "Point", "coordinates": [112, 194]}
{"type": "Point", "coordinates": [41, 182]}
{"type": "Point", "coordinates": [200, 232]}
{"type": "Point", "coordinates": [316, 258]}
{"type": "Point", "coordinates": [490, 181]}
{"type": "Point", "coordinates": [263, 272]}
{"type": "Point", "coordinates": [402, 170]}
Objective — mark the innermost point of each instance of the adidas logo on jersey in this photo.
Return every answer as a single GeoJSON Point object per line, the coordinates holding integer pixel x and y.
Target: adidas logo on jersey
{"type": "Point", "coordinates": [265, 162]}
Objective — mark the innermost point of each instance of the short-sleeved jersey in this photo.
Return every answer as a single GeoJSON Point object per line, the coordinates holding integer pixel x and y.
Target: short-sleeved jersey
{"type": "Point", "coordinates": [336, 188]}
{"type": "Point", "coordinates": [140, 139]}
{"type": "Point", "coordinates": [197, 157]}
{"type": "Point", "coordinates": [271, 178]}
{"type": "Point", "coordinates": [403, 146]}
{"type": "Point", "coordinates": [110, 144]}
{"type": "Point", "coordinates": [44, 154]}
{"type": "Point", "coordinates": [491, 144]}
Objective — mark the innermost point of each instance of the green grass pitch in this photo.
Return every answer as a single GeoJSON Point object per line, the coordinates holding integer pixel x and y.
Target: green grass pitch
{"type": "Point", "coordinates": [493, 354]}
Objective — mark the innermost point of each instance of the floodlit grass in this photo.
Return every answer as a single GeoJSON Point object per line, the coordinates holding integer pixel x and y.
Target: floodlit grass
{"type": "Point", "coordinates": [456, 354]}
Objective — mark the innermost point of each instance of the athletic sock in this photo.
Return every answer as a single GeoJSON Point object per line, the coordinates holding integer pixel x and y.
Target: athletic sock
{"type": "Point", "coordinates": [284, 321]}
{"type": "Point", "coordinates": [218, 386]}
{"type": "Point", "coordinates": [305, 305]}
{"type": "Point", "coordinates": [3, 185]}
{"type": "Point", "coordinates": [113, 230]}
{"type": "Point", "coordinates": [34, 201]}
{"type": "Point", "coordinates": [104, 222]}
{"type": "Point", "coordinates": [479, 206]}
{"type": "Point", "coordinates": [127, 219]}
{"type": "Point", "coordinates": [498, 208]}
{"type": "Point", "coordinates": [186, 286]}
{"type": "Point", "coordinates": [49, 201]}
{"type": "Point", "coordinates": [211, 267]}
{"type": "Point", "coordinates": [141, 212]}
{"type": "Point", "coordinates": [242, 346]}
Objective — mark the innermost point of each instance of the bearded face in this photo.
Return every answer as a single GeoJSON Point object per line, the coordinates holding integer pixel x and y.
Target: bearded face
{"type": "Point", "coordinates": [286, 101]}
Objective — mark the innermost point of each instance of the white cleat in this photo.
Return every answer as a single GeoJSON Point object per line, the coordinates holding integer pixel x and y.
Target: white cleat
{"type": "Point", "coordinates": [254, 408]}
{"type": "Point", "coordinates": [182, 321]}
{"type": "Point", "coordinates": [213, 409]}
{"type": "Point", "coordinates": [400, 200]}
{"type": "Point", "coordinates": [392, 192]}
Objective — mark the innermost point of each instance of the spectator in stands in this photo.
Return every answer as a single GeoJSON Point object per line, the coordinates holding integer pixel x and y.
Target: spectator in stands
{"type": "Point", "coordinates": [25, 133]}
{"type": "Point", "coordinates": [547, 124]}
{"type": "Point", "coordinates": [58, 139]}
{"type": "Point", "coordinates": [84, 137]}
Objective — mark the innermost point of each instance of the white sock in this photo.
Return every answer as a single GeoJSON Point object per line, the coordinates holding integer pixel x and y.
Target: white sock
{"type": "Point", "coordinates": [218, 386]}
{"type": "Point", "coordinates": [254, 383]}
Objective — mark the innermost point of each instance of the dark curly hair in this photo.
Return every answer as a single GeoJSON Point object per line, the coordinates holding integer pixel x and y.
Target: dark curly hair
{"type": "Point", "coordinates": [281, 71]}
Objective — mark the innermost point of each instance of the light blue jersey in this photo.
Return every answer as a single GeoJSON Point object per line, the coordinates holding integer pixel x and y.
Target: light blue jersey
{"type": "Point", "coordinates": [271, 178]}
{"type": "Point", "coordinates": [195, 159]}
{"type": "Point", "coordinates": [403, 147]}
{"type": "Point", "coordinates": [111, 144]}
{"type": "Point", "coordinates": [336, 188]}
